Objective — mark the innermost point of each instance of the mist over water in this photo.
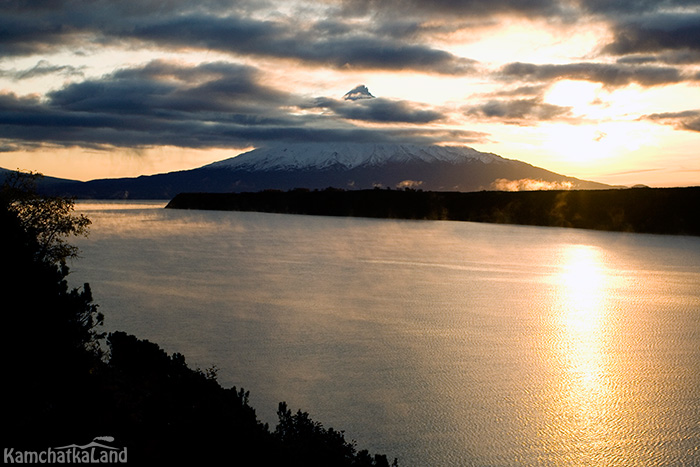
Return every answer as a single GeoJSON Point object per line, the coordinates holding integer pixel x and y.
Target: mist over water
{"type": "Point", "coordinates": [440, 343]}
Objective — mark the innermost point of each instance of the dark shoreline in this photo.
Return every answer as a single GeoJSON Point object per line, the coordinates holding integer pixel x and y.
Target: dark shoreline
{"type": "Point", "coordinates": [669, 211]}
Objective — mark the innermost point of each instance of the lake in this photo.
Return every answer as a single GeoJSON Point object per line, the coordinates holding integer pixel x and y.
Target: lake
{"type": "Point", "coordinates": [440, 343]}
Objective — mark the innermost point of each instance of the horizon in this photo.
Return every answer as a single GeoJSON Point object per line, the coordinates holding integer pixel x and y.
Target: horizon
{"type": "Point", "coordinates": [599, 91]}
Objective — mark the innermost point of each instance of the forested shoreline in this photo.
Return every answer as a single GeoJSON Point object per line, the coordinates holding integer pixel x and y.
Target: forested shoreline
{"type": "Point", "coordinates": [69, 386]}
{"type": "Point", "coordinates": [642, 210]}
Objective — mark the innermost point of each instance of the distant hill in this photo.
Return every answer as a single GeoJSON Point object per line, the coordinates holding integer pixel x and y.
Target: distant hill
{"type": "Point", "coordinates": [643, 210]}
{"type": "Point", "coordinates": [340, 165]}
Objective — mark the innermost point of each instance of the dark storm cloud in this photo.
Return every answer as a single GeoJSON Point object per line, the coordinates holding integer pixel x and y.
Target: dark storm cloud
{"type": "Point", "coordinates": [657, 33]}
{"type": "Point", "coordinates": [338, 48]}
{"type": "Point", "coordinates": [166, 89]}
{"type": "Point", "coordinates": [330, 39]}
{"type": "Point", "coordinates": [452, 8]}
{"type": "Point", "coordinates": [21, 34]}
{"type": "Point", "coordinates": [322, 42]}
{"type": "Point", "coordinates": [222, 104]}
{"type": "Point", "coordinates": [160, 103]}
{"type": "Point", "coordinates": [611, 75]}
{"type": "Point", "coordinates": [209, 105]}
{"type": "Point", "coordinates": [634, 7]}
{"type": "Point", "coordinates": [669, 28]}
{"type": "Point", "coordinates": [378, 110]}
{"type": "Point", "coordinates": [29, 120]}
{"type": "Point", "coordinates": [688, 120]}
{"type": "Point", "coordinates": [639, 26]}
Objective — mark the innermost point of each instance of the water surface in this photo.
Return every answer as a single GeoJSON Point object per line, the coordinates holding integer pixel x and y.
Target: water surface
{"type": "Point", "coordinates": [440, 343]}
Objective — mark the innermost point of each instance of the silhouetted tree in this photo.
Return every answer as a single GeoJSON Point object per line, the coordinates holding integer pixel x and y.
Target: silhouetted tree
{"type": "Point", "coordinates": [49, 335]}
{"type": "Point", "coordinates": [51, 220]}
{"type": "Point", "coordinates": [308, 443]}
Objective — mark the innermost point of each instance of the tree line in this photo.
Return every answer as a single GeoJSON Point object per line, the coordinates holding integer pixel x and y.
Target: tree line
{"type": "Point", "coordinates": [641, 210]}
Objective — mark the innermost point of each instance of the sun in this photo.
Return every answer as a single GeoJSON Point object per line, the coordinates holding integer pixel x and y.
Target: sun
{"type": "Point", "coordinates": [579, 95]}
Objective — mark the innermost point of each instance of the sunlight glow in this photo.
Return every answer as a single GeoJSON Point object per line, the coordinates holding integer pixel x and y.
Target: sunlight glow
{"type": "Point", "coordinates": [576, 94]}
{"type": "Point", "coordinates": [581, 282]}
{"type": "Point", "coordinates": [589, 143]}
{"type": "Point", "coordinates": [579, 352]}
{"type": "Point", "coordinates": [532, 41]}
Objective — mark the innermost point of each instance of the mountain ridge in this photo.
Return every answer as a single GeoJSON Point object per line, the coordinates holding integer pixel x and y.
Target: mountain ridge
{"type": "Point", "coordinates": [340, 165]}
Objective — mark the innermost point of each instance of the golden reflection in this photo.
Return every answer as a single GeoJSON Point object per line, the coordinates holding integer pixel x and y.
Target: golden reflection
{"type": "Point", "coordinates": [581, 281]}
{"type": "Point", "coordinates": [580, 392]}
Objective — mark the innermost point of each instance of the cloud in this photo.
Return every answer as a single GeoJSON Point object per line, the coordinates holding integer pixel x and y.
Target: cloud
{"type": "Point", "coordinates": [657, 33]}
{"type": "Point", "coordinates": [216, 104]}
{"type": "Point", "coordinates": [165, 89]}
{"type": "Point", "coordinates": [669, 31]}
{"type": "Point", "coordinates": [458, 8]}
{"type": "Point", "coordinates": [320, 42]}
{"type": "Point", "coordinates": [42, 68]}
{"type": "Point", "coordinates": [379, 110]}
{"type": "Point", "coordinates": [22, 36]}
{"type": "Point", "coordinates": [671, 57]}
{"type": "Point", "coordinates": [625, 8]}
{"type": "Point", "coordinates": [520, 105]}
{"type": "Point", "coordinates": [518, 111]}
{"type": "Point", "coordinates": [224, 104]}
{"type": "Point", "coordinates": [330, 36]}
{"type": "Point", "coordinates": [610, 75]}
{"type": "Point", "coordinates": [688, 120]}
{"type": "Point", "coordinates": [536, 91]}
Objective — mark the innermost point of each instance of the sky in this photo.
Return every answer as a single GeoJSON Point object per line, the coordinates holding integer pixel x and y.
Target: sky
{"type": "Point", "coordinates": [604, 90]}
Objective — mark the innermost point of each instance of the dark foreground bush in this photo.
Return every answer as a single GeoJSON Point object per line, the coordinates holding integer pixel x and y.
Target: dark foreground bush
{"type": "Point", "coordinates": [66, 384]}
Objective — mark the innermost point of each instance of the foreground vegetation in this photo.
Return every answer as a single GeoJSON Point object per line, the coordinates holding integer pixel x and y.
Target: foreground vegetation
{"type": "Point", "coordinates": [644, 210]}
{"type": "Point", "coordinates": [67, 383]}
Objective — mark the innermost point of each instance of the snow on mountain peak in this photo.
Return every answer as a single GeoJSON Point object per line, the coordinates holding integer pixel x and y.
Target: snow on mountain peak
{"type": "Point", "coordinates": [359, 92]}
{"type": "Point", "coordinates": [347, 156]}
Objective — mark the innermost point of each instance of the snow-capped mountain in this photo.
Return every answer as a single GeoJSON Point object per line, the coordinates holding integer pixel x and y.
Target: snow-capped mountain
{"type": "Point", "coordinates": [320, 156]}
{"type": "Point", "coordinates": [339, 165]}
{"type": "Point", "coordinates": [359, 92]}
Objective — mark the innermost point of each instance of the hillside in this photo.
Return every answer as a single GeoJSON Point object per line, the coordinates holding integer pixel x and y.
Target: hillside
{"type": "Point", "coordinates": [644, 210]}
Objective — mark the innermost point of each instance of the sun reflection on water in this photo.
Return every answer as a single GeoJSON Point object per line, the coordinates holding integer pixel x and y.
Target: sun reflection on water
{"type": "Point", "coordinates": [584, 422]}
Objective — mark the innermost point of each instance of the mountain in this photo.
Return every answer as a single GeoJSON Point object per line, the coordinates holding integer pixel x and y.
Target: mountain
{"type": "Point", "coordinates": [346, 156]}
{"type": "Point", "coordinates": [338, 165]}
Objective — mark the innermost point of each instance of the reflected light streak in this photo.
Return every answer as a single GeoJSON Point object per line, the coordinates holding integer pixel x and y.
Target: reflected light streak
{"type": "Point", "coordinates": [582, 405]}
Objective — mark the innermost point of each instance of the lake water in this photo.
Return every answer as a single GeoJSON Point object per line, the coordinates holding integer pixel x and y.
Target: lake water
{"type": "Point", "coordinates": [440, 343]}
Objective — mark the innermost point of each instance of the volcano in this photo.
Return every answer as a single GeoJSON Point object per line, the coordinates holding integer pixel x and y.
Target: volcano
{"type": "Point", "coordinates": [339, 165]}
